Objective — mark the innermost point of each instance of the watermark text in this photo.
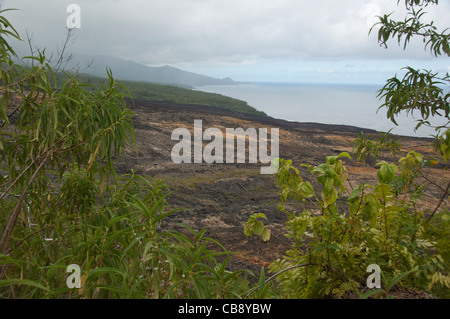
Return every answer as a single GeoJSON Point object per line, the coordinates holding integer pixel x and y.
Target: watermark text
{"type": "Point", "coordinates": [214, 151]}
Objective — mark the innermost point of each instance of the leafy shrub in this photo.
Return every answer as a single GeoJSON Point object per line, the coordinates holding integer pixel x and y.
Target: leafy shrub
{"type": "Point", "coordinates": [62, 203]}
{"type": "Point", "coordinates": [255, 226]}
{"type": "Point", "coordinates": [333, 244]}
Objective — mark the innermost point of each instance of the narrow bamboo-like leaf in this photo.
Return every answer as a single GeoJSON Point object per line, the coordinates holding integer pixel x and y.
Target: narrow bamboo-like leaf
{"type": "Point", "coordinates": [26, 282]}
{"type": "Point", "coordinates": [371, 293]}
{"type": "Point", "coordinates": [93, 157]}
{"type": "Point", "coordinates": [399, 277]}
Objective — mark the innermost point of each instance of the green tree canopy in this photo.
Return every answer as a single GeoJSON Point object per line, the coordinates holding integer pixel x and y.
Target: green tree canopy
{"type": "Point", "coordinates": [419, 91]}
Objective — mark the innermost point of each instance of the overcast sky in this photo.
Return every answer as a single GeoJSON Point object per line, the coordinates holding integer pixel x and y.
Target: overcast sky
{"type": "Point", "coordinates": [247, 40]}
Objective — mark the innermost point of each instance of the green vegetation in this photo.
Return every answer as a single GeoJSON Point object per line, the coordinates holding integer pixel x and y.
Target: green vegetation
{"type": "Point", "coordinates": [368, 149]}
{"type": "Point", "coordinates": [256, 226]}
{"type": "Point", "coordinates": [172, 94]}
{"type": "Point", "coordinates": [351, 228]}
{"type": "Point", "coordinates": [62, 203]}
{"type": "Point", "coordinates": [419, 91]}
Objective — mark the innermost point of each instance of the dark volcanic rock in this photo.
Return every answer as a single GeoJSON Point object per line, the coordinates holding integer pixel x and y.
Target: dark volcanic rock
{"type": "Point", "coordinates": [221, 197]}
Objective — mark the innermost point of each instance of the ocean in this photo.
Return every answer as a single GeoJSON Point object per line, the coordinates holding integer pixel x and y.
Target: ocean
{"type": "Point", "coordinates": [347, 104]}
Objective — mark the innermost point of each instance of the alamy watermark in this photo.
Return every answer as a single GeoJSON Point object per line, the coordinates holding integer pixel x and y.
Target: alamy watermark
{"type": "Point", "coordinates": [374, 280]}
{"type": "Point", "coordinates": [215, 150]}
{"type": "Point", "coordinates": [74, 19]}
{"type": "Point", "coordinates": [74, 279]}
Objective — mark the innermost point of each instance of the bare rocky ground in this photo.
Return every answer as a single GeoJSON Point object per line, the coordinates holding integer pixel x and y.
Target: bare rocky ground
{"type": "Point", "coordinates": [221, 197]}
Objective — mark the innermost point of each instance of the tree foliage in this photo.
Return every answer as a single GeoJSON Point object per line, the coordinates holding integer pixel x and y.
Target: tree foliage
{"type": "Point", "coordinates": [419, 91]}
{"type": "Point", "coordinates": [343, 234]}
{"type": "Point", "coordinates": [62, 202]}
{"type": "Point", "coordinates": [350, 228]}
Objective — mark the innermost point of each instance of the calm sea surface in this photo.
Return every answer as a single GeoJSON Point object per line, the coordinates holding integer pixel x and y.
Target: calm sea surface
{"type": "Point", "coordinates": [354, 105]}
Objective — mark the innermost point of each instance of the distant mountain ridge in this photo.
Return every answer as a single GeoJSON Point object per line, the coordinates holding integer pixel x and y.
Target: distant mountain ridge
{"type": "Point", "coordinates": [132, 71]}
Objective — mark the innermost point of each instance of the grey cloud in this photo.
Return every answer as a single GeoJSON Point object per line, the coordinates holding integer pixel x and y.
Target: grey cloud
{"type": "Point", "coordinates": [194, 31]}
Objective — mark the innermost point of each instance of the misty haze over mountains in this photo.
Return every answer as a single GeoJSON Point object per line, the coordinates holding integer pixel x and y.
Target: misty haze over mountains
{"type": "Point", "coordinates": [132, 71]}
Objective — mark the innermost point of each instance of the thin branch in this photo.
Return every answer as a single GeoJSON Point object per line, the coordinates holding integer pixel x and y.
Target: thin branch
{"type": "Point", "coordinates": [61, 59]}
{"type": "Point", "coordinates": [55, 145]}
{"type": "Point", "coordinates": [29, 40]}
{"type": "Point", "coordinates": [431, 182]}
{"type": "Point", "coordinates": [13, 219]}
{"type": "Point", "coordinates": [30, 235]}
{"type": "Point", "coordinates": [440, 203]}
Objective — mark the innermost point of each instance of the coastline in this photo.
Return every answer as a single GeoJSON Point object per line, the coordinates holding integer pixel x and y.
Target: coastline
{"type": "Point", "coordinates": [336, 104]}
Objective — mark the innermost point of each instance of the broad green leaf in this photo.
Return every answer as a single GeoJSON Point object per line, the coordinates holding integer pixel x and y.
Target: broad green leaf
{"type": "Point", "coordinates": [248, 231]}
{"type": "Point", "coordinates": [266, 234]}
{"type": "Point", "coordinates": [387, 172]}
{"type": "Point", "coordinates": [258, 227]}
{"type": "Point", "coordinates": [307, 190]}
